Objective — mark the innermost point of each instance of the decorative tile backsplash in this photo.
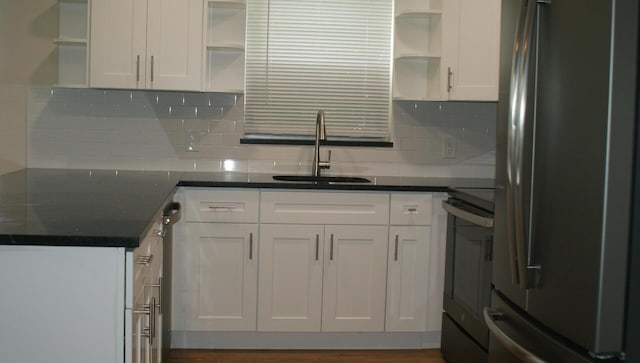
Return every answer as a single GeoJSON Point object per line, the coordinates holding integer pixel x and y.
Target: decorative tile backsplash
{"type": "Point", "coordinates": [149, 130]}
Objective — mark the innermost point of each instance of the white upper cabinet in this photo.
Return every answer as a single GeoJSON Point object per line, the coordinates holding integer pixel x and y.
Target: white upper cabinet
{"type": "Point", "coordinates": [446, 50]}
{"type": "Point", "coordinates": [146, 44]}
{"type": "Point", "coordinates": [472, 38]}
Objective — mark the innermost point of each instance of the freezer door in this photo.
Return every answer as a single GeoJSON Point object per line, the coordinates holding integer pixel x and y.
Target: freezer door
{"type": "Point", "coordinates": [515, 339]}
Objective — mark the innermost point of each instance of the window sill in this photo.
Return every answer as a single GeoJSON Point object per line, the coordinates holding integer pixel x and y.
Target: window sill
{"type": "Point", "coordinates": [292, 141]}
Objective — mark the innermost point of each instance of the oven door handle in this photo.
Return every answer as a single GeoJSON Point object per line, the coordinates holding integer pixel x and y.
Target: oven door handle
{"type": "Point", "coordinates": [467, 216]}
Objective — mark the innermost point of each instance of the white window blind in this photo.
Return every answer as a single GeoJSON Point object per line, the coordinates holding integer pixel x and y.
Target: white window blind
{"type": "Point", "coordinates": [308, 55]}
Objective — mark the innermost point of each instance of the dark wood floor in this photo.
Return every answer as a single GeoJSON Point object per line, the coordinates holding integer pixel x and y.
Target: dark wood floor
{"type": "Point", "coordinates": [305, 356]}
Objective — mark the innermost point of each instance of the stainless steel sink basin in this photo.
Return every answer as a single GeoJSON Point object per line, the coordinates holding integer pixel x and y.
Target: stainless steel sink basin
{"type": "Point", "coordinates": [321, 179]}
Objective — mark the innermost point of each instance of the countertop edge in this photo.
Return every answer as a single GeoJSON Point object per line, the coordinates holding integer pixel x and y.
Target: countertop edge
{"type": "Point", "coordinates": [202, 180]}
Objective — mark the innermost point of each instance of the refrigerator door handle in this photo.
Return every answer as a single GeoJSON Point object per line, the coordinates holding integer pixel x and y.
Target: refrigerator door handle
{"type": "Point", "coordinates": [518, 350]}
{"type": "Point", "coordinates": [515, 157]}
{"type": "Point", "coordinates": [514, 110]}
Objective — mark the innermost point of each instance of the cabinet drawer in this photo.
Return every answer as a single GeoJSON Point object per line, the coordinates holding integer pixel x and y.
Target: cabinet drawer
{"type": "Point", "coordinates": [411, 209]}
{"type": "Point", "coordinates": [227, 206]}
{"type": "Point", "coordinates": [324, 208]}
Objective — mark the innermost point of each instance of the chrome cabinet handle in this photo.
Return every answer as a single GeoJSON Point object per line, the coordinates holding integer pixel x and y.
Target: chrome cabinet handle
{"type": "Point", "coordinates": [467, 216]}
{"type": "Point", "coordinates": [144, 260]}
{"type": "Point", "coordinates": [518, 350]}
{"type": "Point", "coordinates": [331, 248]}
{"type": "Point", "coordinates": [152, 68]}
{"type": "Point", "coordinates": [159, 287]}
{"type": "Point", "coordinates": [222, 208]}
{"type": "Point", "coordinates": [138, 68]}
{"type": "Point", "coordinates": [395, 251]}
{"type": "Point", "coordinates": [317, 247]}
{"type": "Point", "coordinates": [150, 311]}
{"type": "Point", "coordinates": [488, 249]}
{"type": "Point", "coordinates": [449, 76]}
{"type": "Point", "coordinates": [250, 246]}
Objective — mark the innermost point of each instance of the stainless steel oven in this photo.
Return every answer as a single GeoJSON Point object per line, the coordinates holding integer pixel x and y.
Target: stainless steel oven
{"type": "Point", "coordinates": [465, 337]}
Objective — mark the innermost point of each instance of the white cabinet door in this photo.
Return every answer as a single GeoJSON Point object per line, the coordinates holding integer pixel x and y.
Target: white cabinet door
{"type": "Point", "coordinates": [62, 304]}
{"type": "Point", "coordinates": [146, 44]}
{"type": "Point", "coordinates": [140, 341]}
{"type": "Point", "coordinates": [407, 278]}
{"type": "Point", "coordinates": [291, 259]}
{"type": "Point", "coordinates": [471, 46]}
{"type": "Point", "coordinates": [118, 43]}
{"type": "Point", "coordinates": [174, 45]}
{"type": "Point", "coordinates": [215, 277]}
{"type": "Point", "coordinates": [152, 291]}
{"type": "Point", "coordinates": [436, 262]}
{"type": "Point", "coordinates": [354, 278]}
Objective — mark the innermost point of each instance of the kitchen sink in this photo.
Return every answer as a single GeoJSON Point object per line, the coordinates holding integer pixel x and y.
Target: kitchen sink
{"type": "Point", "coordinates": [321, 179]}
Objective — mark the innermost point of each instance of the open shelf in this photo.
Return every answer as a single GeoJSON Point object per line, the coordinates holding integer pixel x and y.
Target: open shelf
{"type": "Point", "coordinates": [418, 50]}
{"type": "Point", "coordinates": [418, 6]}
{"type": "Point", "coordinates": [225, 45]}
{"type": "Point", "coordinates": [418, 34]}
{"type": "Point", "coordinates": [225, 71]}
{"type": "Point", "coordinates": [417, 78]}
{"type": "Point", "coordinates": [72, 43]}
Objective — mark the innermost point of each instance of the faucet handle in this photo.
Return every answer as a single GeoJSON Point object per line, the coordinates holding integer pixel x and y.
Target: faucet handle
{"type": "Point", "coordinates": [325, 164]}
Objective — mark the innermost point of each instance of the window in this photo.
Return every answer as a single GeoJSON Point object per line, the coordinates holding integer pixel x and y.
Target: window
{"type": "Point", "coordinates": [308, 55]}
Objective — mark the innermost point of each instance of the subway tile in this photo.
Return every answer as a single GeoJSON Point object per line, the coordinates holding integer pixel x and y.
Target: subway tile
{"type": "Point", "coordinates": [38, 95]}
{"type": "Point", "coordinates": [182, 164]}
{"type": "Point", "coordinates": [166, 98]}
{"type": "Point", "coordinates": [148, 129]}
{"type": "Point", "coordinates": [196, 99]}
{"type": "Point", "coordinates": [118, 96]}
{"type": "Point", "coordinates": [224, 126]}
{"type": "Point", "coordinates": [183, 112]}
{"type": "Point", "coordinates": [224, 99]}
{"type": "Point", "coordinates": [211, 112]}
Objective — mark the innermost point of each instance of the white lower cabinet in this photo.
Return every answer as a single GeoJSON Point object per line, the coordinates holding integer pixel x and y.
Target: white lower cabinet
{"type": "Point", "coordinates": [407, 278]}
{"type": "Point", "coordinates": [291, 265]}
{"type": "Point", "coordinates": [354, 288]}
{"type": "Point", "coordinates": [322, 278]}
{"type": "Point", "coordinates": [82, 304]}
{"type": "Point", "coordinates": [408, 281]}
{"type": "Point", "coordinates": [216, 277]}
{"type": "Point", "coordinates": [145, 305]}
{"type": "Point", "coordinates": [284, 265]}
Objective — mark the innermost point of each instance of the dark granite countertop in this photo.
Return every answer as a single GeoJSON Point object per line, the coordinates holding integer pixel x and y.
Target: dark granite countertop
{"type": "Point", "coordinates": [107, 208]}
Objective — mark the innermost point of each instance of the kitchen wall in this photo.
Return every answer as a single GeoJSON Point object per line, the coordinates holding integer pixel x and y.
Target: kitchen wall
{"type": "Point", "coordinates": [120, 129]}
{"type": "Point", "coordinates": [27, 58]}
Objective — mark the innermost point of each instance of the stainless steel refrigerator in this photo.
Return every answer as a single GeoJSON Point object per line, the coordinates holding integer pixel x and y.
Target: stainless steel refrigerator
{"type": "Point", "coordinates": [565, 259]}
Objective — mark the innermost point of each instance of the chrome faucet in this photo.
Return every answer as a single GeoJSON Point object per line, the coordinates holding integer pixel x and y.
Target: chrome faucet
{"type": "Point", "coordinates": [321, 135]}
